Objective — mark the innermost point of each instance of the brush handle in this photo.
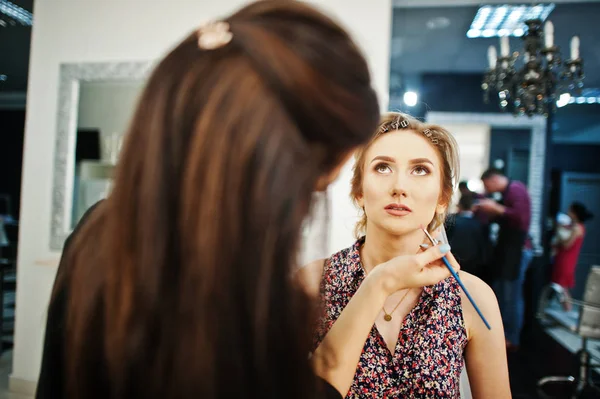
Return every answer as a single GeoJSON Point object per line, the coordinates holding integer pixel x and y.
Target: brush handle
{"type": "Point", "coordinates": [458, 280]}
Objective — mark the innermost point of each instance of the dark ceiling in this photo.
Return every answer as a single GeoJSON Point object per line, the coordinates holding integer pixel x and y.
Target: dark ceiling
{"type": "Point", "coordinates": [417, 49]}
{"type": "Point", "coordinates": [14, 53]}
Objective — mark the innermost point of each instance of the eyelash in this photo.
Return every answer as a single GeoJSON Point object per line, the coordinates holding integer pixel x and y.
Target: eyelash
{"type": "Point", "coordinates": [423, 168]}
{"type": "Point", "coordinates": [378, 168]}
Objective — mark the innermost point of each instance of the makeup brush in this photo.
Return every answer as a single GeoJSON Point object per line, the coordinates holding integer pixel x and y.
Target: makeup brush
{"type": "Point", "coordinates": [458, 280]}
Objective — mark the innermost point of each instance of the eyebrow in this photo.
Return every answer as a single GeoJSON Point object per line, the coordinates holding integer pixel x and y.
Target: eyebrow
{"type": "Point", "coordinates": [412, 161]}
{"type": "Point", "coordinates": [383, 158]}
{"type": "Point", "coordinates": [421, 160]}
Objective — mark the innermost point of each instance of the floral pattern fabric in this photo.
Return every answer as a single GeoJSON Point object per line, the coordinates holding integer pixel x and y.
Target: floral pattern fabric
{"type": "Point", "coordinates": [428, 357]}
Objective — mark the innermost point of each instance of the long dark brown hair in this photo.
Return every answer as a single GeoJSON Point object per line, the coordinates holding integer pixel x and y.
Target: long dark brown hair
{"type": "Point", "coordinates": [180, 283]}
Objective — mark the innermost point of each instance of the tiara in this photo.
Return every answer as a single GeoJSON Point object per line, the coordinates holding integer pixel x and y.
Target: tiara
{"type": "Point", "coordinates": [214, 35]}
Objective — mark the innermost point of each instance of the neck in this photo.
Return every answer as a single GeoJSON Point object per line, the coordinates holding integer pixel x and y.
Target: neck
{"type": "Point", "coordinates": [380, 246]}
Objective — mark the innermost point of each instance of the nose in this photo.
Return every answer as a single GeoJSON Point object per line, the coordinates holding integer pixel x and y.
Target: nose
{"type": "Point", "coordinates": [398, 188]}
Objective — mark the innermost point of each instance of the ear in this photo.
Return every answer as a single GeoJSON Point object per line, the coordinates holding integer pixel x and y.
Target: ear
{"type": "Point", "coordinates": [360, 201]}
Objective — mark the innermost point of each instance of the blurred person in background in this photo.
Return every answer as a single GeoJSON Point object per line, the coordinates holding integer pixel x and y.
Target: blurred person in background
{"type": "Point", "coordinates": [469, 239]}
{"type": "Point", "coordinates": [567, 247]}
{"type": "Point", "coordinates": [512, 252]}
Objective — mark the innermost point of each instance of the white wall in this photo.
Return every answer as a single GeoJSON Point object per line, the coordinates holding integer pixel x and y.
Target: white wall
{"type": "Point", "coordinates": [128, 30]}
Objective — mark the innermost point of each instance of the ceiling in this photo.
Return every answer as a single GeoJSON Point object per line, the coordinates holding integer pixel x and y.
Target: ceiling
{"type": "Point", "coordinates": [417, 49]}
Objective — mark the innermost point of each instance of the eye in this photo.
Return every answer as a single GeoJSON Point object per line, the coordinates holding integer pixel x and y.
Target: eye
{"type": "Point", "coordinates": [383, 168]}
{"type": "Point", "coordinates": [421, 170]}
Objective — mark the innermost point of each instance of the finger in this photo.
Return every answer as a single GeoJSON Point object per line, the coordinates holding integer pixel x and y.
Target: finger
{"type": "Point", "coordinates": [433, 274]}
{"type": "Point", "coordinates": [432, 254]}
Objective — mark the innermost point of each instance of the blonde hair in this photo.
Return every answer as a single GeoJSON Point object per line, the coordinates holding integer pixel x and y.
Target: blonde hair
{"type": "Point", "coordinates": [443, 142]}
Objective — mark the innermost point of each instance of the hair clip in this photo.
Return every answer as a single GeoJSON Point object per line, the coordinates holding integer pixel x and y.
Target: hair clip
{"type": "Point", "coordinates": [428, 133]}
{"type": "Point", "coordinates": [214, 35]}
{"type": "Point", "coordinates": [394, 125]}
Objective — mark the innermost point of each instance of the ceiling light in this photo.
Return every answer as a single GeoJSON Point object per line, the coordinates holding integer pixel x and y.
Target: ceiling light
{"type": "Point", "coordinates": [580, 100]}
{"type": "Point", "coordinates": [410, 98]}
{"type": "Point", "coordinates": [16, 13]}
{"type": "Point", "coordinates": [563, 100]}
{"type": "Point", "coordinates": [518, 32]}
{"type": "Point", "coordinates": [473, 33]}
{"type": "Point", "coordinates": [501, 20]}
{"type": "Point", "coordinates": [488, 33]}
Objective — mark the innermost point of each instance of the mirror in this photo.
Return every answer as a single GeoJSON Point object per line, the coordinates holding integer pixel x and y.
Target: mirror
{"type": "Point", "coordinates": [96, 102]}
{"type": "Point", "coordinates": [103, 115]}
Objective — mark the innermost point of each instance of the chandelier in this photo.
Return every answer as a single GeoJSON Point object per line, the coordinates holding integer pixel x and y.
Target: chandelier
{"type": "Point", "coordinates": [534, 86]}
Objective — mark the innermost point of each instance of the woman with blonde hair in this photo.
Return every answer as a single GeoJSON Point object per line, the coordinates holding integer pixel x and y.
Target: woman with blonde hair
{"type": "Point", "coordinates": [414, 338]}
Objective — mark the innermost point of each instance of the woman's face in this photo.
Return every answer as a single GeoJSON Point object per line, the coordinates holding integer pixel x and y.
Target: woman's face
{"type": "Point", "coordinates": [402, 179]}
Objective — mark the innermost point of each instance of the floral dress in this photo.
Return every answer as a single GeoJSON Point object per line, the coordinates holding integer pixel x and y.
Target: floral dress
{"type": "Point", "coordinates": [428, 357]}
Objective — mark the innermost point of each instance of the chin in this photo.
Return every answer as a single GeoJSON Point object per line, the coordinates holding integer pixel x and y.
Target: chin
{"type": "Point", "coordinates": [399, 227]}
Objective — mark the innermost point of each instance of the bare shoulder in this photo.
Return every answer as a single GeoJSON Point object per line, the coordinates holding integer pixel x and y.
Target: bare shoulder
{"type": "Point", "coordinates": [477, 287]}
{"type": "Point", "coordinates": [310, 276]}
{"type": "Point", "coordinates": [486, 300]}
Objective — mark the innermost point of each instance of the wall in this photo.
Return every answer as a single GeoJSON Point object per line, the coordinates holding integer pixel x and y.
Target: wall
{"type": "Point", "coordinates": [576, 158]}
{"type": "Point", "coordinates": [128, 30]}
{"type": "Point", "coordinates": [507, 142]}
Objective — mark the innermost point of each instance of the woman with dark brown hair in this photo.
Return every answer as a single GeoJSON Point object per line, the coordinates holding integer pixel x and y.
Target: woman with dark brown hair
{"type": "Point", "coordinates": [180, 283]}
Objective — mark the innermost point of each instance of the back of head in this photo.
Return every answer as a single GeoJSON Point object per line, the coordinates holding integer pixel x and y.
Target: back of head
{"type": "Point", "coordinates": [191, 254]}
{"type": "Point", "coordinates": [581, 212]}
{"type": "Point", "coordinates": [491, 172]}
{"type": "Point", "coordinates": [465, 203]}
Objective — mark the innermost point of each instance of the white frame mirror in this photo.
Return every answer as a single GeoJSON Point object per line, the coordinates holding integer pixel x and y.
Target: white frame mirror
{"type": "Point", "coordinates": [71, 77]}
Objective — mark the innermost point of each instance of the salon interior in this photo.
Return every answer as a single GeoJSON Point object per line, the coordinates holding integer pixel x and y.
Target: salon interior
{"type": "Point", "coordinates": [517, 83]}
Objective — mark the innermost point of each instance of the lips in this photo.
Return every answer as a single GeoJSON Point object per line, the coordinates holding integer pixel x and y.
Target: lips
{"type": "Point", "coordinates": [398, 209]}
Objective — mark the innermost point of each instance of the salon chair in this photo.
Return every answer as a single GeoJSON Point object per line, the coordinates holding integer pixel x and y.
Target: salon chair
{"type": "Point", "coordinates": [585, 322]}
